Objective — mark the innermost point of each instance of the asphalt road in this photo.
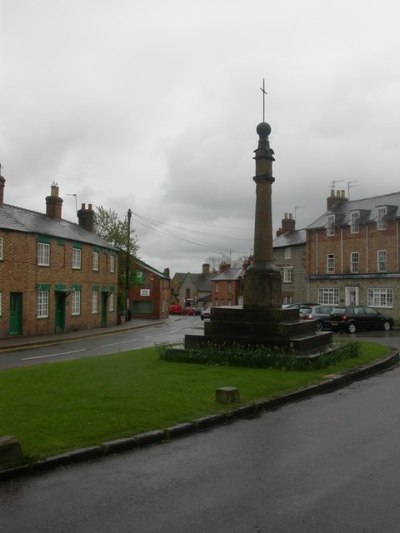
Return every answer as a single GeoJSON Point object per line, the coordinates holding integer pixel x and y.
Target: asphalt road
{"type": "Point", "coordinates": [328, 464]}
{"type": "Point", "coordinates": [172, 330]}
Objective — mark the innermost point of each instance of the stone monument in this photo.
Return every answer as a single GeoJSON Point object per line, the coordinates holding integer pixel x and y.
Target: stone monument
{"type": "Point", "coordinates": [261, 321]}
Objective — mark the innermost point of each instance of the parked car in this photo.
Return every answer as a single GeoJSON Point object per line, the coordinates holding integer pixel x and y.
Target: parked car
{"type": "Point", "coordinates": [358, 317]}
{"type": "Point", "coordinates": [206, 313]}
{"type": "Point", "coordinates": [320, 313]}
{"type": "Point", "coordinates": [297, 306]}
{"type": "Point", "coordinates": [175, 309]}
{"type": "Point", "coordinates": [188, 311]}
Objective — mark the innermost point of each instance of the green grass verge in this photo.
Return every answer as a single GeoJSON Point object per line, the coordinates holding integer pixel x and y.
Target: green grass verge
{"type": "Point", "coordinates": [52, 408]}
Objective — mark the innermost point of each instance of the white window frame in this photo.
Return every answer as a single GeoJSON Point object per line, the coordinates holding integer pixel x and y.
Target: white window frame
{"type": "Point", "coordinates": [354, 222]}
{"type": "Point", "coordinates": [380, 297]}
{"type": "Point", "coordinates": [76, 258]}
{"type": "Point", "coordinates": [112, 263]}
{"type": "Point", "coordinates": [111, 302]}
{"type": "Point", "coordinates": [288, 253]}
{"type": "Point", "coordinates": [381, 260]}
{"type": "Point", "coordinates": [1, 248]}
{"type": "Point", "coordinates": [355, 262]}
{"type": "Point", "coordinates": [75, 303]}
{"type": "Point", "coordinates": [42, 304]}
{"type": "Point", "coordinates": [330, 227]}
{"type": "Point", "coordinates": [381, 222]}
{"type": "Point", "coordinates": [330, 263]}
{"type": "Point", "coordinates": [96, 260]}
{"type": "Point", "coordinates": [328, 296]}
{"type": "Point", "coordinates": [43, 254]}
{"type": "Point", "coordinates": [287, 274]}
{"type": "Point", "coordinates": [95, 302]}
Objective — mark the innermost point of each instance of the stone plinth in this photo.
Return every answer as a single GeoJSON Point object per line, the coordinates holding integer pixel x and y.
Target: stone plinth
{"type": "Point", "coordinates": [252, 327]}
{"type": "Point", "coordinates": [227, 395]}
{"type": "Point", "coordinates": [10, 451]}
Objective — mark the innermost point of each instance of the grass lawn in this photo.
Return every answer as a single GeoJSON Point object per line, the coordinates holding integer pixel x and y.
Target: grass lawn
{"type": "Point", "coordinates": [55, 407]}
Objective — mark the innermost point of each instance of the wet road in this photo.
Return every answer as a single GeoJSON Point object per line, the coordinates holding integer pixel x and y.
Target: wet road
{"type": "Point", "coordinates": [172, 329]}
{"type": "Point", "coordinates": [328, 464]}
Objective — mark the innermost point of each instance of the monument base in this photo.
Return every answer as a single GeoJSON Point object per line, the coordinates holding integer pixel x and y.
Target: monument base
{"type": "Point", "coordinates": [260, 327]}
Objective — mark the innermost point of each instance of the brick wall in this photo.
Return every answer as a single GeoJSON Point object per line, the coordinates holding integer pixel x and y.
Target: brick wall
{"type": "Point", "coordinates": [19, 273]}
{"type": "Point", "coordinates": [367, 242]}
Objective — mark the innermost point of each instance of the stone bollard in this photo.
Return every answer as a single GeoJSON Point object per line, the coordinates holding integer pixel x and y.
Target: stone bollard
{"type": "Point", "coordinates": [227, 395]}
{"type": "Point", "coordinates": [10, 451]}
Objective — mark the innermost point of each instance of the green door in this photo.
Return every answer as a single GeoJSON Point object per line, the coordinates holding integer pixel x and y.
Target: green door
{"type": "Point", "coordinates": [103, 309]}
{"type": "Point", "coordinates": [60, 312]}
{"type": "Point", "coordinates": [15, 313]}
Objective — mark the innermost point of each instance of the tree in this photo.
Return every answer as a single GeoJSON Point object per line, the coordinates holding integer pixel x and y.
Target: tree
{"type": "Point", "coordinates": [115, 231]}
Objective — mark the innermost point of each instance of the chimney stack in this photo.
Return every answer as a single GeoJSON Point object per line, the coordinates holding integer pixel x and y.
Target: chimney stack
{"type": "Point", "coordinates": [288, 224]}
{"type": "Point", "coordinates": [206, 270]}
{"type": "Point", "coordinates": [224, 267]}
{"type": "Point", "coordinates": [335, 197]}
{"type": "Point", "coordinates": [54, 203]}
{"type": "Point", "coordinates": [86, 218]}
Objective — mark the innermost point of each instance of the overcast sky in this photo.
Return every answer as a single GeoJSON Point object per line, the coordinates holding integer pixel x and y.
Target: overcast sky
{"type": "Point", "coordinates": [153, 105]}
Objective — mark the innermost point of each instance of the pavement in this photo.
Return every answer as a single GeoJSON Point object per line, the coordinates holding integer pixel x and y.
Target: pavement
{"type": "Point", "coordinates": [17, 343]}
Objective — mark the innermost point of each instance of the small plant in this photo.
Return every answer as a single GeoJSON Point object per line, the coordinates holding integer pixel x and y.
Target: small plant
{"type": "Point", "coordinates": [258, 357]}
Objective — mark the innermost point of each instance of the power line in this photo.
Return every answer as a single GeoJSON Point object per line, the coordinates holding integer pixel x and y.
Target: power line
{"type": "Point", "coordinates": [173, 235]}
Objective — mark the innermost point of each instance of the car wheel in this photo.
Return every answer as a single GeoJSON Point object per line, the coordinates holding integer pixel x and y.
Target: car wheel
{"type": "Point", "coordinates": [387, 326]}
{"type": "Point", "coordinates": [319, 326]}
{"type": "Point", "coordinates": [351, 328]}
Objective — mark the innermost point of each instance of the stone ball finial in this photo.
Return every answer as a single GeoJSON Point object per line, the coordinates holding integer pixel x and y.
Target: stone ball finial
{"type": "Point", "coordinates": [263, 130]}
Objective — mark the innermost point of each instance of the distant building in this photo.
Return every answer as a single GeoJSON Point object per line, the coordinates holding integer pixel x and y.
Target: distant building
{"type": "Point", "coordinates": [289, 247]}
{"type": "Point", "coordinates": [55, 276]}
{"type": "Point", "coordinates": [227, 286]}
{"type": "Point", "coordinates": [353, 253]}
{"type": "Point", "coordinates": [150, 295]}
{"type": "Point", "coordinates": [192, 290]}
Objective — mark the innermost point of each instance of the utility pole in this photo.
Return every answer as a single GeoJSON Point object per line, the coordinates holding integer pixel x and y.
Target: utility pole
{"type": "Point", "coordinates": [127, 271]}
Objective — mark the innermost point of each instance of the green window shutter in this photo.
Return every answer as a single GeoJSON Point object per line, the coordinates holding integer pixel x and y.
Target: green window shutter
{"type": "Point", "coordinates": [43, 287]}
{"type": "Point", "coordinates": [44, 239]}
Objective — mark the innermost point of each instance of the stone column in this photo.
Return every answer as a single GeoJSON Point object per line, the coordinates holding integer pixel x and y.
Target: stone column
{"type": "Point", "coordinates": [262, 283]}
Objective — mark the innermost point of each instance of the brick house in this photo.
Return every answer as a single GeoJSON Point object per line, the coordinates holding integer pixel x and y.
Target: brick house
{"type": "Point", "coordinates": [289, 248]}
{"type": "Point", "coordinates": [227, 286]}
{"type": "Point", "coordinates": [353, 253]}
{"type": "Point", "coordinates": [55, 276]}
{"type": "Point", "coordinates": [150, 295]}
{"type": "Point", "coordinates": [192, 290]}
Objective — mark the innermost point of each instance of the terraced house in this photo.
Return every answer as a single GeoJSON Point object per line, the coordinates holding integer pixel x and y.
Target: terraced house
{"type": "Point", "coordinates": [353, 253]}
{"type": "Point", "coordinates": [55, 276]}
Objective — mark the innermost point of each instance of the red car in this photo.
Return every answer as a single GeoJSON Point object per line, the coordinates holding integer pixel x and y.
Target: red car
{"type": "Point", "coordinates": [175, 309]}
{"type": "Point", "coordinates": [188, 311]}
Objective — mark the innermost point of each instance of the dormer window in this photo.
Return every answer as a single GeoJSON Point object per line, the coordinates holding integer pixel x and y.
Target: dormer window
{"type": "Point", "coordinates": [330, 225]}
{"type": "Point", "coordinates": [354, 221]}
{"type": "Point", "coordinates": [380, 221]}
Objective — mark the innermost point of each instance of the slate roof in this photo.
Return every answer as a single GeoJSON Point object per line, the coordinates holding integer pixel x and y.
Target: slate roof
{"type": "Point", "coordinates": [290, 238]}
{"type": "Point", "coordinates": [14, 218]}
{"type": "Point", "coordinates": [202, 283]}
{"type": "Point", "coordinates": [141, 263]}
{"type": "Point", "coordinates": [368, 208]}
{"type": "Point", "coordinates": [229, 275]}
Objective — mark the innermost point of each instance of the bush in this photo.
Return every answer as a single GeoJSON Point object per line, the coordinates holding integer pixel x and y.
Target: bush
{"type": "Point", "coordinates": [261, 357]}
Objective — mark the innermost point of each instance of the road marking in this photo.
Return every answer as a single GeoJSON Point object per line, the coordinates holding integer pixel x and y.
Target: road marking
{"type": "Point", "coordinates": [53, 354]}
{"type": "Point", "coordinates": [115, 343]}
